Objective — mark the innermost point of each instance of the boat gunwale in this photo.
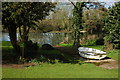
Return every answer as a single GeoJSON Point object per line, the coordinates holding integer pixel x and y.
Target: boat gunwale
{"type": "Point", "coordinates": [93, 52]}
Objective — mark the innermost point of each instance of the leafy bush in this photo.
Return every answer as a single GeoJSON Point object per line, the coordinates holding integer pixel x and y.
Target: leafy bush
{"type": "Point", "coordinates": [90, 42]}
{"type": "Point", "coordinates": [30, 49]}
{"type": "Point", "coordinates": [31, 45]}
{"type": "Point", "coordinates": [22, 60]}
{"type": "Point", "coordinates": [100, 42]}
{"type": "Point", "coordinates": [39, 59]}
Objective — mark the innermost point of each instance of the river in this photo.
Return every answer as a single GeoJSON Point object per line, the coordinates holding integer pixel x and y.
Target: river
{"type": "Point", "coordinates": [43, 38]}
{"type": "Point", "coordinates": [52, 38]}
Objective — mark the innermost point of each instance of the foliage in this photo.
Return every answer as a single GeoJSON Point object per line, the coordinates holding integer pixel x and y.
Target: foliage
{"type": "Point", "coordinates": [93, 20]}
{"type": "Point", "coordinates": [38, 60]}
{"type": "Point", "coordinates": [45, 26]}
{"type": "Point", "coordinates": [77, 22]}
{"type": "Point", "coordinates": [100, 42]}
{"type": "Point", "coordinates": [31, 49]}
{"type": "Point", "coordinates": [22, 15]}
{"type": "Point", "coordinates": [62, 18]}
{"type": "Point", "coordinates": [112, 26]}
{"type": "Point", "coordinates": [93, 42]}
{"type": "Point", "coordinates": [57, 21]}
{"type": "Point", "coordinates": [22, 60]}
{"type": "Point", "coordinates": [90, 42]}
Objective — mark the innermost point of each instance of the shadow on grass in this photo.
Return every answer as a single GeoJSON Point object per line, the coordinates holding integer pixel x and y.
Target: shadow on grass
{"type": "Point", "coordinates": [63, 55]}
{"type": "Point", "coordinates": [9, 55]}
{"type": "Point", "coordinates": [58, 54]}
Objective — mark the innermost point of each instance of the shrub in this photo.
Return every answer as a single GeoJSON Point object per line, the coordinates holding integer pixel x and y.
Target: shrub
{"type": "Point", "coordinates": [39, 59]}
{"type": "Point", "coordinates": [100, 42]}
{"type": "Point", "coordinates": [90, 42]}
{"type": "Point", "coordinates": [22, 60]}
{"type": "Point", "coordinates": [30, 49]}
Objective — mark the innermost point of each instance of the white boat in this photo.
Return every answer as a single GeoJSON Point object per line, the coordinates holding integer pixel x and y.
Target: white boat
{"type": "Point", "coordinates": [91, 53]}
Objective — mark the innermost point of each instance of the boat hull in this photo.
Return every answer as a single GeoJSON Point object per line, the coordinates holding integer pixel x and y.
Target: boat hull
{"type": "Point", "coordinates": [92, 56]}
{"type": "Point", "coordinates": [91, 53]}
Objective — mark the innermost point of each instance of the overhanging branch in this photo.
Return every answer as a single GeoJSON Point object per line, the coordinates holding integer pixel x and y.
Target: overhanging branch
{"type": "Point", "coordinates": [73, 4]}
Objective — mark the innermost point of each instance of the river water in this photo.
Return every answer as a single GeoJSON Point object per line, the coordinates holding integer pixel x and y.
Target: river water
{"type": "Point", "coordinates": [43, 38]}
{"type": "Point", "coordinates": [51, 38]}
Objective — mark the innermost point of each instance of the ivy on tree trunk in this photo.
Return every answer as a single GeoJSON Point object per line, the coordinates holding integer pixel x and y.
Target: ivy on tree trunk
{"type": "Point", "coordinates": [77, 22]}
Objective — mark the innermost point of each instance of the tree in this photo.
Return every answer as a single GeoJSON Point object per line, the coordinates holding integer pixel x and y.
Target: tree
{"type": "Point", "coordinates": [57, 21]}
{"type": "Point", "coordinates": [112, 26]}
{"type": "Point", "coordinates": [22, 15]}
{"type": "Point", "coordinates": [77, 17]}
{"type": "Point", "coordinates": [77, 22]}
{"type": "Point", "coordinates": [93, 20]}
{"type": "Point", "coordinates": [61, 17]}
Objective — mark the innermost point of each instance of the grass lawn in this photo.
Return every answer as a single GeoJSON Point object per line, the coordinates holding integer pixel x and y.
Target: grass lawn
{"type": "Point", "coordinates": [59, 70]}
{"type": "Point", "coordinates": [62, 70]}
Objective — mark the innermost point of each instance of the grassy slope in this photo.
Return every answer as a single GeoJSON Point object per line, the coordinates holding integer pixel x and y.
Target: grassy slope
{"type": "Point", "coordinates": [60, 71]}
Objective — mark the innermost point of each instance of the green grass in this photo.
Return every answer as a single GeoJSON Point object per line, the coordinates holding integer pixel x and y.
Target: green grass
{"type": "Point", "coordinates": [114, 54]}
{"type": "Point", "coordinates": [6, 44]}
{"type": "Point", "coordinates": [60, 71]}
{"type": "Point", "coordinates": [100, 47]}
{"type": "Point", "coordinates": [65, 45]}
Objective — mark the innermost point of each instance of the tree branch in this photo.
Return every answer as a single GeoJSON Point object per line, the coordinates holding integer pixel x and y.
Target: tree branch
{"type": "Point", "coordinates": [73, 4]}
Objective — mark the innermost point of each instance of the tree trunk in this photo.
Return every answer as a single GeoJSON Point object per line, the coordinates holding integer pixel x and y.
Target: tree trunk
{"type": "Point", "coordinates": [20, 34]}
{"type": "Point", "coordinates": [13, 38]}
{"type": "Point", "coordinates": [25, 34]}
{"type": "Point", "coordinates": [76, 39]}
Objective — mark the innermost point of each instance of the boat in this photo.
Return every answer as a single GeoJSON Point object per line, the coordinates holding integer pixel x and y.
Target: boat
{"type": "Point", "coordinates": [91, 53]}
